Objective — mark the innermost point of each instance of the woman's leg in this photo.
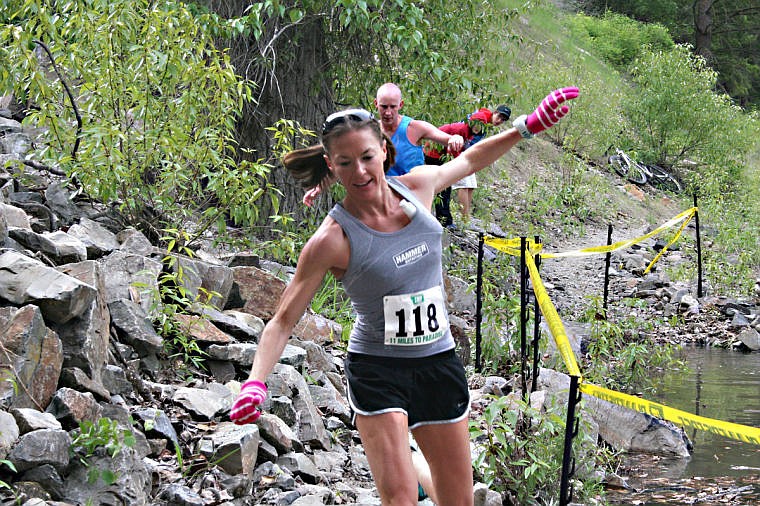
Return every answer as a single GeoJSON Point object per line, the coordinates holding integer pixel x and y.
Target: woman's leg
{"type": "Point", "coordinates": [447, 450]}
{"type": "Point", "coordinates": [424, 477]}
{"type": "Point", "coordinates": [386, 443]}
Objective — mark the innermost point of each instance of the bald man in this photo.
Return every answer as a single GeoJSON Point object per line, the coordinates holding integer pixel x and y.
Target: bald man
{"type": "Point", "coordinates": [408, 134]}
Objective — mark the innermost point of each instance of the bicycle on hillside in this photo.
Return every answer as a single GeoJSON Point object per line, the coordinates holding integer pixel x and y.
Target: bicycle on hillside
{"type": "Point", "coordinates": [640, 173]}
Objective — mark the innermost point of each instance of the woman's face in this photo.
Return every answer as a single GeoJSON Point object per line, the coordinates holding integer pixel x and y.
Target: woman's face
{"type": "Point", "coordinates": [356, 158]}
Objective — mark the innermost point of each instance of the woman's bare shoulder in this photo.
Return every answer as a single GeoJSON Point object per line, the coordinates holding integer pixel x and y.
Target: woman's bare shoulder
{"type": "Point", "coordinates": [328, 246]}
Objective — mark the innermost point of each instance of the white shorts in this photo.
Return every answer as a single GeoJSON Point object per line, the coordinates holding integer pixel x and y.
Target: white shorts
{"type": "Point", "coordinates": [466, 182]}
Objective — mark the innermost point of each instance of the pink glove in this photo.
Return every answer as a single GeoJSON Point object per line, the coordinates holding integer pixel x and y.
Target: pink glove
{"type": "Point", "coordinates": [252, 393]}
{"type": "Point", "coordinates": [547, 114]}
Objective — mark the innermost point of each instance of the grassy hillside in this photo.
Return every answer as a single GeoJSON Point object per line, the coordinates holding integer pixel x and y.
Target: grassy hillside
{"type": "Point", "coordinates": [563, 192]}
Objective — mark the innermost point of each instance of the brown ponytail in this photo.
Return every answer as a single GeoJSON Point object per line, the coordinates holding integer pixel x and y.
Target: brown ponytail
{"type": "Point", "coordinates": [308, 165]}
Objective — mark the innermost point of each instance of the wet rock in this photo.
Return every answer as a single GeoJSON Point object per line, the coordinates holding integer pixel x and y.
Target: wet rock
{"type": "Point", "coordinates": [750, 338]}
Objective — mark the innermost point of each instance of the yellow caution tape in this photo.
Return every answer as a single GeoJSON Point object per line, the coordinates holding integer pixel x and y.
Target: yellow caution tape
{"type": "Point", "coordinates": [684, 216]}
{"type": "Point", "coordinates": [686, 420]}
{"type": "Point", "coordinates": [552, 319]}
{"type": "Point", "coordinates": [674, 239]}
{"type": "Point", "coordinates": [512, 246]}
{"type": "Point", "coordinates": [557, 329]}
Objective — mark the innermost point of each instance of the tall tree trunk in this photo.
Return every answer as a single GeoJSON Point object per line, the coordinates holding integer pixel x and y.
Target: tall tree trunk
{"type": "Point", "coordinates": [703, 27]}
{"type": "Point", "coordinates": [288, 65]}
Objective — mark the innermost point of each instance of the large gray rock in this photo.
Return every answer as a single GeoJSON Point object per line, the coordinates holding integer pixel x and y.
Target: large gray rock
{"type": "Point", "coordinates": [34, 353]}
{"type": "Point", "coordinates": [622, 428]}
{"type": "Point", "coordinates": [750, 338]}
{"type": "Point", "coordinates": [14, 217]}
{"type": "Point", "coordinates": [234, 447]}
{"type": "Point", "coordinates": [27, 281]}
{"type": "Point", "coordinates": [72, 408]}
{"type": "Point", "coordinates": [134, 327]}
{"type": "Point", "coordinates": [60, 247]}
{"type": "Point", "coordinates": [97, 239]}
{"type": "Point", "coordinates": [44, 446]}
{"type": "Point", "coordinates": [203, 279]}
{"type": "Point", "coordinates": [131, 277]}
{"type": "Point", "coordinates": [9, 434]}
{"type": "Point", "coordinates": [131, 488]}
{"type": "Point", "coordinates": [310, 426]}
{"type": "Point", "coordinates": [85, 338]}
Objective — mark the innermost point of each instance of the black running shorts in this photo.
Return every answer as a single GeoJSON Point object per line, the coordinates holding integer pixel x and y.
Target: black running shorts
{"type": "Point", "coordinates": [428, 390]}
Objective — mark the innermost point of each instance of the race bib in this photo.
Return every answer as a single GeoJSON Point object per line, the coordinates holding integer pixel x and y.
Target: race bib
{"type": "Point", "coordinates": [414, 319]}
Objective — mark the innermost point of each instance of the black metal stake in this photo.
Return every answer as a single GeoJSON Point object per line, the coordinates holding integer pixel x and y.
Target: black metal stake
{"type": "Point", "coordinates": [607, 258]}
{"type": "Point", "coordinates": [478, 302]}
{"type": "Point", "coordinates": [523, 317]}
{"type": "Point", "coordinates": [571, 430]}
{"type": "Point", "coordinates": [699, 249]}
{"type": "Point", "coordinates": [536, 326]}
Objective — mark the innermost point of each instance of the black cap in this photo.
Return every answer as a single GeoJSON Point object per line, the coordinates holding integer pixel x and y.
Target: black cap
{"type": "Point", "coordinates": [504, 111]}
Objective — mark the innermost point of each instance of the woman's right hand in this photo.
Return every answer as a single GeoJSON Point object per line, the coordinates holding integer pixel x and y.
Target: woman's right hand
{"type": "Point", "coordinates": [311, 195]}
{"type": "Point", "coordinates": [245, 409]}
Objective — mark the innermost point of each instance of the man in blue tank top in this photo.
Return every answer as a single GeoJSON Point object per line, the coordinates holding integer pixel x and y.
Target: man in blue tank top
{"type": "Point", "coordinates": [408, 134]}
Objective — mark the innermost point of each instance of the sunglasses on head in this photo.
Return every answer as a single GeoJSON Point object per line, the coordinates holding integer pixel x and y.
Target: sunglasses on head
{"type": "Point", "coordinates": [339, 117]}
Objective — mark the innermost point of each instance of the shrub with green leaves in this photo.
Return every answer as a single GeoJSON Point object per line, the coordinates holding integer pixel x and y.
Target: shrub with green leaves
{"type": "Point", "coordinates": [675, 113]}
{"type": "Point", "coordinates": [149, 121]}
{"type": "Point", "coordinates": [519, 452]}
{"type": "Point", "coordinates": [619, 39]}
{"type": "Point", "coordinates": [106, 435]}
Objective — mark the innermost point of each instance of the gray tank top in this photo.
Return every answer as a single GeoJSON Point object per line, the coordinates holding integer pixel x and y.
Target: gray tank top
{"type": "Point", "coordinates": [395, 284]}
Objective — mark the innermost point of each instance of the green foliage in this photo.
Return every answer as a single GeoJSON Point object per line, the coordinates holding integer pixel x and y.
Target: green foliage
{"type": "Point", "coordinates": [9, 465]}
{"type": "Point", "coordinates": [673, 115]}
{"type": "Point", "coordinates": [620, 355]}
{"type": "Point", "coordinates": [594, 119]}
{"type": "Point", "coordinates": [158, 105]}
{"type": "Point", "coordinates": [500, 341]}
{"type": "Point", "coordinates": [434, 52]}
{"type": "Point", "coordinates": [731, 41]}
{"type": "Point", "coordinates": [174, 296]}
{"type": "Point", "coordinates": [731, 248]}
{"type": "Point", "coordinates": [105, 434]}
{"type": "Point", "coordinates": [524, 464]}
{"type": "Point", "coordinates": [619, 39]}
{"type": "Point", "coordinates": [332, 302]}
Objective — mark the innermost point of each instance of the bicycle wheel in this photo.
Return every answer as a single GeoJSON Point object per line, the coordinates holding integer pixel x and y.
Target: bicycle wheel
{"type": "Point", "coordinates": [636, 173]}
{"type": "Point", "coordinates": [617, 165]}
{"type": "Point", "coordinates": [663, 179]}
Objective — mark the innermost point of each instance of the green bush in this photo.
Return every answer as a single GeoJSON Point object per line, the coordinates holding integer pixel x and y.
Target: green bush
{"type": "Point", "coordinates": [92, 436]}
{"type": "Point", "coordinates": [675, 114]}
{"type": "Point", "coordinates": [619, 39]}
{"type": "Point", "coordinates": [156, 104]}
{"type": "Point", "coordinates": [519, 452]}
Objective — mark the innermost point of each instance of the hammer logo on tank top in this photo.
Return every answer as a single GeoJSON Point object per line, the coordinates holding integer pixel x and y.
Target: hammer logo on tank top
{"type": "Point", "coordinates": [411, 255]}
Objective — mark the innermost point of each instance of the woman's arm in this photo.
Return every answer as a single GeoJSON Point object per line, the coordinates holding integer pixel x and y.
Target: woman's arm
{"type": "Point", "coordinates": [327, 249]}
{"type": "Point", "coordinates": [429, 179]}
{"type": "Point", "coordinates": [317, 257]}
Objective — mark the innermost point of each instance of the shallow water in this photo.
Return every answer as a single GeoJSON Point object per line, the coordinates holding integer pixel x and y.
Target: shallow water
{"type": "Point", "coordinates": [720, 384]}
